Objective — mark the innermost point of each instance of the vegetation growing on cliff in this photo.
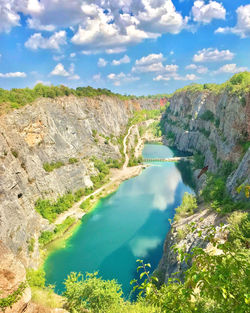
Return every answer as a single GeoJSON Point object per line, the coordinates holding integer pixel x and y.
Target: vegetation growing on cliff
{"type": "Point", "coordinates": [17, 97]}
{"type": "Point", "coordinates": [238, 84]}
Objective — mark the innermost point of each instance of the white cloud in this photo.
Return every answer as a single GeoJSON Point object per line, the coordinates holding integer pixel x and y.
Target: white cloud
{"type": "Point", "coordinates": [59, 70]}
{"type": "Point", "coordinates": [8, 16]}
{"type": "Point", "coordinates": [242, 27]}
{"type": "Point", "coordinates": [213, 55]}
{"type": "Point", "coordinates": [101, 25]}
{"type": "Point", "coordinates": [13, 74]}
{"type": "Point", "coordinates": [205, 13]}
{"type": "Point", "coordinates": [37, 41]}
{"type": "Point", "coordinates": [72, 55]}
{"type": "Point", "coordinates": [120, 78]}
{"type": "Point", "coordinates": [175, 76]}
{"type": "Point", "coordinates": [150, 59]}
{"type": "Point", "coordinates": [115, 50]}
{"type": "Point", "coordinates": [45, 83]}
{"type": "Point", "coordinates": [230, 68]}
{"type": "Point", "coordinates": [33, 23]}
{"type": "Point", "coordinates": [123, 60]}
{"type": "Point", "coordinates": [102, 62]}
{"type": "Point", "coordinates": [160, 16]}
{"type": "Point", "coordinates": [171, 52]}
{"type": "Point", "coordinates": [153, 63]}
{"type": "Point", "coordinates": [199, 68]}
{"type": "Point", "coordinates": [149, 63]}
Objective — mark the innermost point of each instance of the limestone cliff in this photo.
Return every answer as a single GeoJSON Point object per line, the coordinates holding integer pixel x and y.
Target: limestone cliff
{"type": "Point", "coordinates": [214, 124]}
{"type": "Point", "coordinates": [52, 130]}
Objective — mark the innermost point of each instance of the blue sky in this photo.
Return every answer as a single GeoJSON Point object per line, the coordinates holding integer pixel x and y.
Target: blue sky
{"type": "Point", "coordinates": [129, 46]}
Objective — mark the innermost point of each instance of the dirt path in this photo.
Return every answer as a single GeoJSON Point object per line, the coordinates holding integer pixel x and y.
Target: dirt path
{"type": "Point", "coordinates": [116, 177]}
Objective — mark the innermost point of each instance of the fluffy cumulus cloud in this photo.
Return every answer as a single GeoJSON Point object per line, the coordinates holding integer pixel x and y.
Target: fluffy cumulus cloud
{"type": "Point", "coordinates": [153, 63]}
{"type": "Point", "coordinates": [8, 15]}
{"type": "Point", "coordinates": [242, 27]}
{"type": "Point", "coordinates": [98, 24]}
{"type": "Point", "coordinates": [37, 41]}
{"type": "Point", "coordinates": [213, 55]}
{"type": "Point", "coordinates": [59, 70]}
{"type": "Point", "coordinates": [198, 68]}
{"type": "Point", "coordinates": [13, 75]}
{"type": "Point", "coordinates": [230, 68]}
{"type": "Point", "coordinates": [102, 62]}
{"type": "Point", "coordinates": [123, 60]}
{"type": "Point", "coordinates": [121, 78]}
{"type": "Point", "coordinates": [176, 76]}
{"type": "Point", "coordinates": [205, 13]}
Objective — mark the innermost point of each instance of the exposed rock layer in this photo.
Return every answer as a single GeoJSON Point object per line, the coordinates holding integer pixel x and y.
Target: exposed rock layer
{"type": "Point", "coordinates": [52, 130]}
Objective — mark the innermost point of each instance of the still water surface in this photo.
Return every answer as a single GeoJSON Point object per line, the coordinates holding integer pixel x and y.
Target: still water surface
{"type": "Point", "coordinates": [129, 224]}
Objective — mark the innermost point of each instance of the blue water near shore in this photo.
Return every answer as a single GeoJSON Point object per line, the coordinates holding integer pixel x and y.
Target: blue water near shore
{"type": "Point", "coordinates": [129, 224]}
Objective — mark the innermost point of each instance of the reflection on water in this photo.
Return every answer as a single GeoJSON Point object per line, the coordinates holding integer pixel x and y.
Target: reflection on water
{"type": "Point", "coordinates": [129, 224]}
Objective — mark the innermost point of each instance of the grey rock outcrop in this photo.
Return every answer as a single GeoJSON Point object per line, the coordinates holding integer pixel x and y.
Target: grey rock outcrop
{"type": "Point", "coordinates": [52, 130]}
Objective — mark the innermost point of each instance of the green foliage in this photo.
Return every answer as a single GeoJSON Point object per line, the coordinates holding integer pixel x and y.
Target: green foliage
{"type": "Point", "coordinates": [50, 210]}
{"type": "Point", "coordinates": [207, 116]}
{"type": "Point", "coordinates": [187, 207]}
{"type": "Point", "coordinates": [73, 160]}
{"type": "Point", "coordinates": [49, 167]}
{"type": "Point", "coordinates": [226, 168]}
{"type": "Point", "coordinates": [237, 84]}
{"type": "Point", "coordinates": [16, 98]}
{"type": "Point", "coordinates": [143, 115]}
{"type": "Point", "coordinates": [91, 293]}
{"type": "Point", "coordinates": [199, 160]}
{"type": "Point", "coordinates": [213, 150]}
{"type": "Point", "coordinates": [12, 298]}
{"type": "Point", "coordinates": [113, 163]}
{"type": "Point", "coordinates": [14, 153]}
{"type": "Point", "coordinates": [133, 161]}
{"type": "Point", "coordinates": [170, 135]}
{"type": "Point", "coordinates": [48, 236]}
{"type": "Point", "coordinates": [101, 166]}
{"type": "Point", "coordinates": [85, 205]}
{"type": "Point", "coordinates": [36, 278]}
{"type": "Point", "coordinates": [31, 245]}
{"type": "Point", "coordinates": [205, 132]}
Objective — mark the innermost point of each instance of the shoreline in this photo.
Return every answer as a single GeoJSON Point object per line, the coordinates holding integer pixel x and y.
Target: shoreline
{"type": "Point", "coordinates": [116, 177]}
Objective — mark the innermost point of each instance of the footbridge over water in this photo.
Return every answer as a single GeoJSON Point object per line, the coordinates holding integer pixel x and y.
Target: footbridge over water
{"type": "Point", "coordinates": [174, 159]}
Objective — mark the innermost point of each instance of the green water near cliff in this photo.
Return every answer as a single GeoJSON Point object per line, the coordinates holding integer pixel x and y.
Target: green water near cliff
{"type": "Point", "coordinates": [129, 224]}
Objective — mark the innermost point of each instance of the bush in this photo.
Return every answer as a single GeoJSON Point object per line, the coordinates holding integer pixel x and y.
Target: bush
{"type": "Point", "coordinates": [73, 160]}
{"type": "Point", "coordinates": [31, 245]}
{"type": "Point", "coordinates": [49, 167]}
{"type": "Point", "coordinates": [213, 150]}
{"type": "Point", "coordinates": [50, 210]}
{"type": "Point", "coordinates": [36, 278]}
{"type": "Point", "coordinates": [199, 160]}
{"type": "Point", "coordinates": [85, 205]}
{"type": "Point", "coordinates": [170, 135]}
{"type": "Point", "coordinates": [207, 116]}
{"type": "Point", "coordinates": [92, 293]}
{"type": "Point", "coordinates": [187, 207]}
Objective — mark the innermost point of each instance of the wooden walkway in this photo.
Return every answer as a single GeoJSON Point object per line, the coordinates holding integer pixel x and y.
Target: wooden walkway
{"type": "Point", "coordinates": [174, 159]}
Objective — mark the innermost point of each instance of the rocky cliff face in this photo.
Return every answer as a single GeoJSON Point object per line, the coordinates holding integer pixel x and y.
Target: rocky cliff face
{"type": "Point", "coordinates": [215, 125]}
{"type": "Point", "coordinates": [52, 130]}
{"type": "Point", "coordinates": [218, 139]}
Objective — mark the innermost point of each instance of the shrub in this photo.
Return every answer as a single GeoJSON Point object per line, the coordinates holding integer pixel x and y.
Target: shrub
{"type": "Point", "coordinates": [92, 293]}
{"type": "Point", "coordinates": [31, 245]}
{"type": "Point", "coordinates": [73, 160]}
{"type": "Point", "coordinates": [85, 205]}
{"type": "Point", "coordinates": [36, 278]}
{"type": "Point", "coordinates": [14, 153]}
{"type": "Point", "coordinates": [199, 160]}
{"type": "Point", "coordinates": [207, 116]}
{"type": "Point", "coordinates": [170, 135]}
{"type": "Point", "coordinates": [187, 207]}
{"type": "Point", "coordinates": [213, 150]}
{"type": "Point", "coordinates": [49, 167]}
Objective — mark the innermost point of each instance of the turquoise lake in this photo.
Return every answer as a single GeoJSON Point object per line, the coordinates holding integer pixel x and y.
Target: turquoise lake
{"type": "Point", "coordinates": [129, 224]}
